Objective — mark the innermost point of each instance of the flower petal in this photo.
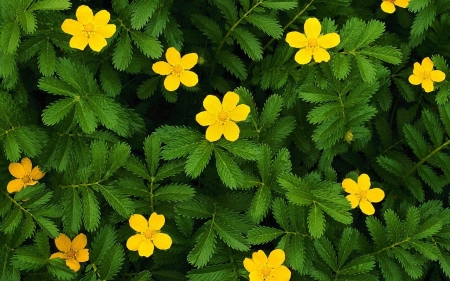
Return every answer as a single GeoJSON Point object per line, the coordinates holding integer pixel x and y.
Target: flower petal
{"type": "Point", "coordinates": [106, 31]}
{"type": "Point", "coordinates": [427, 64]}
{"type": "Point", "coordinates": [101, 18]}
{"type": "Point", "coordinates": [63, 243]}
{"type": "Point", "coordinates": [188, 78]}
{"type": "Point", "coordinates": [83, 255]}
{"type": "Point", "coordinates": [79, 242]}
{"type": "Point", "coordinates": [189, 60]}
{"type": "Point", "coordinates": [437, 76]}
{"type": "Point", "coordinates": [366, 207]}
{"type": "Point", "coordinates": [418, 69]}
{"type": "Point", "coordinates": [321, 55]}
{"type": "Point", "coordinates": [138, 223]}
{"type": "Point", "coordinates": [162, 68]}
{"type": "Point", "coordinates": [162, 241]}
{"type": "Point", "coordinates": [312, 28]}
{"type": "Point", "coordinates": [97, 42]}
{"type": "Point", "coordinates": [212, 104]}
{"type": "Point", "coordinates": [329, 40]}
{"type": "Point", "coordinates": [72, 27]}
{"type": "Point", "coordinates": [79, 41]}
{"type": "Point", "coordinates": [303, 56]}
{"type": "Point", "coordinates": [73, 264]}
{"type": "Point", "coordinates": [172, 82]}
{"type": "Point", "coordinates": [17, 170]}
{"type": "Point", "coordinates": [240, 113]}
{"type": "Point", "coordinates": [259, 257]}
{"type": "Point", "coordinates": [214, 132]}
{"type": "Point", "coordinates": [36, 173]}
{"type": "Point", "coordinates": [173, 57]}
{"type": "Point", "coordinates": [250, 265]}
{"type": "Point", "coordinates": [58, 255]}
{"type": "Point", "coordinates": [156, 221]}
{"type": "Point", "coordinates": [276, 258]}
{"type": "Point", "coordinates": [388, 7]}
{"type": "Point", "coordinates": [375, 195]}
{"type": "Point", "coordinates": [427, 85]}
{"type": "Point", "coordinates": [282, 273]}
{"type": "Point", "coordinates": [353, 199]}
{"type": "Point", "coordinates": [134, 241]}
{"type": "Point", "coordinates": [296, 39]}
{"type": "Point", "coordinates": [364, 182]}
{"type": "Point", "coordinates": [415, 79]}
{"type": "Point", "coordinates": [402, 3]}
{"type": "Point", "coordinates": [231, 131]}
{"type": "Point", "coordinates": [146, 249]}
{"type": "Point", "coordinates": [256, 276]}
{"type": "Point", "coordinates": [15, 185]}
{"type": "Point", "coordinates": [205, 118]}
{"type": "Point", "coordinates": [230, 101]}
{"type": "Point", "coordinates": [350, 186]}
{"type": "Point", "coordinates": [84, 14]}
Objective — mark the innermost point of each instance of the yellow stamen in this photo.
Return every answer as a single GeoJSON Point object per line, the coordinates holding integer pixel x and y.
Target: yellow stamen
{"type": "Point", "coordinates": [177, 69]}
{"type": "Point", "coordinates": [266, 271]}
{"type": "Point", "coordinates": [362, 194]}
{"type": "Point", "coordinates": [26, 179]}
{"type": "Point", "coordinates": [312, 43]}
{"type": "Point", "coordinates": [222, 116]}
{"type": "Point", "coordinates": [71, 254]}
{"type": "Point", "coordinates": [89, 27]}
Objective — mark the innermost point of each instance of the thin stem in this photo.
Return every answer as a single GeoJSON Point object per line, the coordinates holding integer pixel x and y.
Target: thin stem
{"type": "Point", "coordinates": [390, 247]}
{"type": "Point", "coordinates": [151, 194]}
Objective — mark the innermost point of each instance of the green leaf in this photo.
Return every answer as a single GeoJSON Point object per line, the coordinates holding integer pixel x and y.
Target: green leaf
{"type": "Point", "coordinates": [103, 242]}
{"type": "Point", "coordinates": [199, 158]}
{"type": "Point", "coordinates": [260, 204]}
{"type": "Point", "coordinates": [122, 53]}
{"type": "Point", "coordinates": [111, 266]}
{"type": "Point", "coordinates": [12, 221]}
{"type": "Point", "coordinates": [59, 269]}
{"type": "Point", "coordinates": [148, 88]}
{"type": "Point", "coordinates": [340, 65]}
{"type": "Point", "coordinates": [149, 45]}
{"type": "Point", "coordinates": [123, 205]}
{"type": "Point", "coordinates": [279, 209]}
{"type": "Point", "coordinates": [27, 20]}
{"type": "Point", "coordinates": [56, 111]}
{"type": "Point", "coordinates": [174, 192]}
{"type": "Point", "coordinates": [232, 237]}
{"type": "Point", "coordinates": [372, 31]}
{"type": "Point", "coordinates": [263, 234]}
{"type": "Point", "coordinates": [228, 10]}
{"type": "Point", "coordinates": [366, 68]}
{"type": "Point", "coordinates": [416, 141]}
{"type": "Point", "coordinates": [280, 5]}
{"type": "Point", "coordinates": [208, 27]}
{"type": "Point", "coordinates": [248, 42]}
{"type": "Point", "coordinates": [141, 11]}
{"type": "Point", "coordinates": [50, 5]}
{"type": "Point", "coordinates": [241, 148]}
{"type": "Point", "coordinates": [71, 203]}
{"type": "Point", "coordinates": [358, 265]}
{"type": "Point", "coordinates": [385, 53]}
{"type": "Point", "coordinates": [204, 248]}
{"type": "Point", "coordinates": [56, 86]}
{"type": "Point", "coordinates": [229, 172]}
{"type": "Point", "coordinates": [47, 59]}
{"type": "Point", "coordinates": [110, 80]}
{"type": "Point", "coordinates": [270, 112]}
{"type": "Point", "coordinates": [9, 36]}
{"type": "Point", "coordinates": [326, 252]}
{"type": "Point", "coordinates": [91, 209]}
{"type": "Point", "coordinates": [85, 116]}
{"type": "Point", "coordinates": [266, 24]}
{"type": "Point", "coordinates": [47, 225]}
{"type": "Point", "coordinates": [142, 276]}
{"type": "Point", "coordinates": [316, 222]}
{"type": "Point", "coordinates": [232, 63]}
{"type": "Point", "coordinates": [215, 272]}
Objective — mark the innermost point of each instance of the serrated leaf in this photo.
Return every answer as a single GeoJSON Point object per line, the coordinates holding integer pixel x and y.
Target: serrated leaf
{"type": "Point", "coordinates": [260, 204]}
{"type": "Point", "coordinates": [232, 63]}
{"type": "Point", "coordinates": [27, 20]}
{"type": "Point", "coordinates": [149, 45]}
{"type": "Point", "coordinates": [47, 59]}
{"type": "Point", "coordinates": [122, 53]}
{"type": "Point", "coordinates": [198, 158]}
{"type": "Point", "coordinates": [366, 68]}
{"type": "Point", "coordinates": [266, 24]}
{"type": "Point", "coordinates": [232, 237]}
{"type": "Point", "coordinates": [9, 36]}
{"type": "Point", "coordinates": [71, 203]}
{"type": "Point", "coordinates": [123, 205]}
{"type": "Point", "coordinates": [174, 192]}
{"type": "Point", "coordinates": [229, 172]}
{"type": "Point", "coordinates": [47, 225]}
{"type": "Point", "coordinates": [91, 209]}
{"type": "Point", "coordinates": [385, 53]}
{"type": "Point", "coordinates": [56, 111]}
{"type": "Point", "coordinates": [204, 248]}
{"type": "Point", "coordinates": [208, 27]}
{"type": "Point", "coordinates": [141, 11]}
{"type": "Point", "coordinates": [110, 80]}
{"type": "Point", "coordinates": [316, 222]}
{"type": "Point", "coordinates": [111, 266]}
{"type": "Point", "coordinates": [248, 43]}
{"type": "Point", "coordinates": [50, 5]}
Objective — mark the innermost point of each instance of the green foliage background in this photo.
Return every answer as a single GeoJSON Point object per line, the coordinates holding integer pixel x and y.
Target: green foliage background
{"type": "Point", "coordinates": [114, 142]}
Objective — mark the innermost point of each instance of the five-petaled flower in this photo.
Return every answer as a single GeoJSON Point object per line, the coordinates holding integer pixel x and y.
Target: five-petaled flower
{"type": "Point", "coordinates": [312, 43]}
{"type": "Point", "coordinates": [361, 194]}
{"type": "Point", "coordinates": [221, 117]}
{"type": "Point", "coordinates": [149, 235]}
{"type": "Point", "coordinates": [73, 251]}
{"type": "Point", "coordinates": [24, 175]}
{"type": "Point", "coordinates": [89, 29]}
{"type": "Point", "coordinates": [388, 6]}
{"type": "Point", "coordinates": [177, 69]}
{"type": "Point", "coordinates": [262, 268]}
{"type": "Point", "coordinates": [425, 75]}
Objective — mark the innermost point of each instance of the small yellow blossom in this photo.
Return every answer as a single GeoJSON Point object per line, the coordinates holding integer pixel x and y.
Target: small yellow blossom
{"type": "Point", "coordinates": [221, 117]}
{"type": "Point", "coordinates": [262, 268]}
{"type": "Point", "coordinates": [73, 251]}
{"type": "Point", "coordinates": [388, 6]}
{"type": "Point", "coordinates": [425, 75]}
{"type": "Point", "coordinates": [149, 235]}
{"type": "Point", "coordinates": [89, 29]}
{"type": "Point", "coordinates": [24, 175]}
{"type": "Point", "coordinates": [177, 69]}
{"type": "Point", "coordinates": [312, 43]}
{"type": "Point", "coordinates": [361, 194]}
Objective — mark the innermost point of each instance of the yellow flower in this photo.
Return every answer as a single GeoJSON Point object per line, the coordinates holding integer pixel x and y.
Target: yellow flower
{"type": "Point", "coordinates": [388, 6]}
{"type": "Point", "coordinates": [221, 117]}
{"type": "Point", "coordinates": [361, 194]}
{"type": "Point", "coordinates": [177, 69]}
{"type": "Point", "coordinates": [262, 268]}
{"type": "Point", "coordinates": [89, 29]}
{"type": "Point", "coordinates": [312, 43]}
{"type": "Point", "coordinates": [24, 175]}
{"type": "Point", "coordinates": [73, 251]}
{"type": "Point", "coordinates": [425, 75]}
{"type": "Point", "coordinates": [149, 235]}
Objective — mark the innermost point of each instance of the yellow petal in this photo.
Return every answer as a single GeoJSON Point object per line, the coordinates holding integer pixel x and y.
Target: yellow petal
{"type": "Point", "coordinates": [240, 113]}
{"type": "Point", "coordinates": [321, 55]}
{"type": "Point", "coordinates": [97, 42]}
{"type": "Point", "coordinates": [162, 241]}
{"type": "Point", "coordinates": [58, 255]}
{"type": "Point", "coordinates": [303, 56]}
{"type": "Point", "coordinates": [256, 276]}
{"type": "Point", "coordinates": [63, 243]}
{"type": "Point", "coordinates": [134, 241]}
{"type": "Point", "coordinates": [205, 118]}
{"type": "Point", "coordinates": [437, 76]}
{"type": "Point", "coordinates": [427, 64]}
{"type": "Point", "coordinates": [212, 104]}
{"type": "Point", "coordinates": [250, 265]}
{"type": "Point", "coordinates": [276, 258]}
{"type": "Point", "coordinates": [106, 31]}
{"type": "Point", "coordinates": [79, 41]}
{"type": "Point", "coordinates": [156, 221]}
{"type": "Point", "coordinates": [15, 185]}
{"type": "Point", "coordinates": [259, 258]}
{"type": "Point", "coordinates": [388, 7]}
{"type": "Point", "coordinates": [350, 186]}
{"type": "Point", "coordinates": [72, 27]}
{"type": "Point", "coordinates": [36, 174]}
{"type": "Point", "coordinates": [79, 242]}
{"type": "Point", "coordinates": [296, 39]}
{"type": "Point", "coordinates": [353, 199]}
{"type": "Point", "coordinates": [31, 183]}
{"type": "Point", "coordinates": [401, 3]}
{"type": "Point", "coordinates": [427, 85]}
{"type": "Point", "coordinates": [83, 255]}
{"type": "Point", "coordinates": [282, 273]}
{"type": "Point", "coordinates": [230, 101]}
{"type": "Point", "coordinates": [146, 249]}
{"type": "Point", "coordinates": [188, 78]}
{"type": "Point", "coordinates": [214, 132]}
{"type": "Point", "coordinates": [73, 264]}
{"type": "Point", "coordinates": [172, 83]}
{"type": "Point", "coordinates": [101, 18]}
{"type": "Point", "coordinates": [162, 68]}
{"type": "Point", "coordinates": [375, 195]}
{"type": "Point", "coordinates": [415, 79]}
{"type": "Point", "coordinates": [418, 69]}
{"type": "Point", "coordinates": [329, 40]}
{"type": "Point", "coordinates": [17, 170]}
{"type": "Point", "coordinates": [364, 182]}
{"type": "Point", "coordinates": [138, 223]}
{"type": "Point", "coordinates": [231, 131]}
{"type": "Point", "coordinates": [173, 57]}
{"type": "Point", "coordinates": [189, 60]}
{"type": "Point", "coordinates": [312, 28]}
{"type": "Point", "coordinates": [366, 207]}
{"type": "Point", "coordinates": [84, 14]}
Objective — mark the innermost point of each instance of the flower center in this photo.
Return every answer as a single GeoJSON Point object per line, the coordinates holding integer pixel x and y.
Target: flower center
{"type": "Point", "coordinates": [26, 179]}
{"type": "Point", "coordinates": [71, 254]}
{"type": "Point", "coordinates": [149, 233]}
{"type": "Point", "coordinates": [363, 194]}
{"type": "Point", "coordinates": [89, 27]}
{"type": "Point", "coordinates": [426, 74]}
{"type": "Point", "coordinates": [266, 271]}
{"type": "Point", "coordinates": [312, 43]}
{"type": "Point", "coordinates": [177, 69]}
{"type": "Point", "coordinates": [222, 116]}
